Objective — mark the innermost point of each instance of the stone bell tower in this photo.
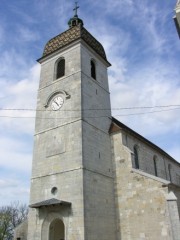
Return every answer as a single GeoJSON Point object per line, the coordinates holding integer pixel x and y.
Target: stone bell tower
{"type": "Point", "coordinates": [72, 193]}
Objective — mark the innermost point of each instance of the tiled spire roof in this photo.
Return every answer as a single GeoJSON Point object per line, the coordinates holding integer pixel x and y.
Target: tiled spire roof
{"type": "Point", "coordinates": [74, 33]}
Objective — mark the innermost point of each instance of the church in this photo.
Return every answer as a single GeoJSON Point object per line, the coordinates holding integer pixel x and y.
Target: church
{"type": "Point", "coordinates": [93, 178]}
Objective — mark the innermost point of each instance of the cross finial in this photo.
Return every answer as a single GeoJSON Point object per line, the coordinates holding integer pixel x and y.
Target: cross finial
{"type": "Point", "coordinates": [75, 9]}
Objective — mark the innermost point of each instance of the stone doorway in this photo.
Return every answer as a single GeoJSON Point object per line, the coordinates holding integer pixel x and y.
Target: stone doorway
{"type": "Point", "coordinates": [57, 230]}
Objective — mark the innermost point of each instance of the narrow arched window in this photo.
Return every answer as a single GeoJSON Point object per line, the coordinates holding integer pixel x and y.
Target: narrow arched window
{"type": "Point", "coordinates": [169, 170]}
{"type": "Point", "coordinates": [60, 68]}
{"type": "Point", "coordinates": [155, 165]}
{"type": "Point", "coordinates": [93, 69]}
{"type": "Point", "coordinates": [136, 157]}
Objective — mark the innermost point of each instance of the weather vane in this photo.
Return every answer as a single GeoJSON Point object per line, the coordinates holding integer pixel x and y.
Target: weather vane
{"type": "Point", "coordinates": [75, 9]}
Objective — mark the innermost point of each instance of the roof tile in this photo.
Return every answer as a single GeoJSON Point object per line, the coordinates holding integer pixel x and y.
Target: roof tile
{"type": "Point", "coordinates": [71, 35]}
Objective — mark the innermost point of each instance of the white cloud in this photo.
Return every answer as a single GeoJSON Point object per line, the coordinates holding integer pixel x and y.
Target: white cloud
{"type": "Point", "coordinates": [16, 135]}
{"type": "Point", "coordinates": [175, 152]}
{"type": "Point", "coordinates": [20, 95]}
{"type": "Point", "coordinates": [24, 16]}
{"type": "Point", "coordinates": [4, 183]}
{"type": "Point", "coordinates": [116, 8]}
{"type": "Point", "coordinates": [13, 65]}
{"type": "Point", "coordinates": [149, 87]}
{"type": "Point", "coordinates": [27, 35]}
{"type": "Point", "coordinates": [139, 76]}
{"type": "Point", "coordinates": [13, 190]}
{"type": "Point", "coordinates": [1, 35]}
{"type": "Point", "coordinates": [15, 154]}
{"type": "Point", "coordinates": [145, 22]}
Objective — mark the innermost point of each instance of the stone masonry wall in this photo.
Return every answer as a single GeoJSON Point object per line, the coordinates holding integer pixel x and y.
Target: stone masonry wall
{"type": "Point", "coordinates": [166, 167]}
{"type": "Point", "coordinates": [142, 210]}
{"type": "Point", "coordinates": [57, 159]}
{"type": "Point", "coordinates": [99, 204]}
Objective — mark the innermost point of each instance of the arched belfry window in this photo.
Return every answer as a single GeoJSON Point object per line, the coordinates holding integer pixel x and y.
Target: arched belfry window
{"type": "Point", "coordinates": [155, 165]}
{"type": "Point", "coordinates": [93, 69]}
{"type": "Point", "coordinates": [60, 68]}
{"type": "Point", "coordinates": [136, 157]}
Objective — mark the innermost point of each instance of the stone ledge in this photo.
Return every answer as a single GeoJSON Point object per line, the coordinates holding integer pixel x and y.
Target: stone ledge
{"type": "Point", "coordinates": [140, 172]}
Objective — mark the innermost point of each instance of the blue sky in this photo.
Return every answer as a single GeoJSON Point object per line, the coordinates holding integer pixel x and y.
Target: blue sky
{"type": "Point", "coordinates": [142, 45]}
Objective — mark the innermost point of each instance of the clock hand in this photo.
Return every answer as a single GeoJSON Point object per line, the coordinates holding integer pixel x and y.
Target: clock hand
{"type": "Point", "coordinates": [56, 102]}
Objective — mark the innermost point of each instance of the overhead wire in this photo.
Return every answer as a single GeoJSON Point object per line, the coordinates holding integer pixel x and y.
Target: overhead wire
{"type": "Point", "coordinates": [120, 115]}
{"type": "Point", "coordinates": [90, 109]}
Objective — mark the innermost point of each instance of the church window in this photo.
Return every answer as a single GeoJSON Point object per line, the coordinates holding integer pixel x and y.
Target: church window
{"type": "Point", "coordinates": [169, 170]}
{"type": "Point", "coordinates": [155, 165]}
{"type": "Point", "coordinates": [93, 69]}
{"type": "Point", "coordinates": [126, 139]}
{"type": "Point", "coordinates": [60, 68]}
{"type": "Point", "coordinates": [178, 179]}
{"type": "Point", "coordinates": [136, 157]}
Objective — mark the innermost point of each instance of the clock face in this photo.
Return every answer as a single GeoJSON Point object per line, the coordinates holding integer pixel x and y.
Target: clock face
{"type": "Point", "coordinates": [57, 103]}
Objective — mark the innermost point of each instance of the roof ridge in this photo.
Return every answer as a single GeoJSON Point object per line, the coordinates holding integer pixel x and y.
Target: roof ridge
{"type": "Point", "coordinates": [124, 127]}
